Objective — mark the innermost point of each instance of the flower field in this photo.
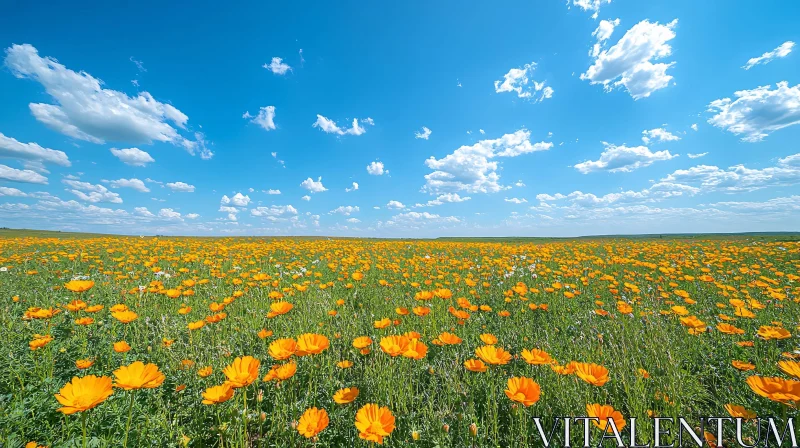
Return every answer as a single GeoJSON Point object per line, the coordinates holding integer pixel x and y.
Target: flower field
{"type": "Point", "coordinates": [118, 341]}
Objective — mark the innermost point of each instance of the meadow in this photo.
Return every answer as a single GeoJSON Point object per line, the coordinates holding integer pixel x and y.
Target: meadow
{"type": "Point", "coordinates": [126, 341]}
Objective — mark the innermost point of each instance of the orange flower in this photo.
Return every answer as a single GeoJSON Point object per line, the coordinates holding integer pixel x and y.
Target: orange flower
{"type": "Point", "coordinates": [344, 364]}
{"type": "Point", "coordinates": [537, 357]}
{"type": "Point", "coordinates": [125, 317]}
{"type": "Point", "coordinates": [605, 414]}
{"type": "Point", "coordinates": [737, 411]}
{"type": "Point", "coordinates": [217, 394]}
{"type": "Point", "coordinates": [593, 374]}
{"type": "Point", "coordinates": [84, 321]}
{"type": "Point", "coordinates": [312, 344]}
{"type": "Point", "coordinates": [84, 393]}
{"type": "Point", "coordinates": [286, 371]}
{"type": "Point", "coordinates": [383, 323]}
{"type": "Point", "coordinates": [743, 366]}
{"type": "Point", "coordinates": [84, 363]}
{"type": "Point", "coordinates": [79, 285]}
{"type": "Point", "coordinates": [205, 371]}
{"type": "Point", "coordinates": [138, 376]}
{"type": "Point", "coordinates": [493, 355]}
{"type": "Point", "coordinates": [279, 308]}
{"type": "Point", "coordinates": [346, 395]}
{"type": "Point", "coordinates": [281, 349]}
{"type": "Point", "coordinates": [415, 350]}
{"type": "Point", "coordinates": [767, 332]}
{"type": "Point", "coordinates": [39, 341]}
{"type": "Point", "coordinates": [488, 339]}
{"type": "Point", "coordinates": [523, 390]}
{"type": "Point", "coordinates": [312, 422]}
{"type": "Point", "coordinates": [729, 329]}
{"type": "Point", "coordinates": [394, 345]}
{"type": "Point", "coordinates": [776, 389]}
{"type": "Point", "coordinates": [264, 333]}
{"type": "Point", "coordinates": [450, 338]}
{"type": "Point", "coordinates": [475, 365]}
{"type": "Point", "coordinates": [242, 372]}
{"type": "Point", "coordinates": [362, 342]}
{"type": "Point", "coordinates": [790, 368]}
{"type": "Point", "coordinates": [196, 325]}
{"type": "Point", "coordinates": [374, 423]}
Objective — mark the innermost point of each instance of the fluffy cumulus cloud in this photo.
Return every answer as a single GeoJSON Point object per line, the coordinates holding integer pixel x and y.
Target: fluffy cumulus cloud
{"type": "Point", "coordinates": [756, 113]}
{"type": "Point", "coordinates": [444, 198]}
{"type": "Point", "coordinates": [271, 191]}
{"type": "Point", "coordinates": [352, 188]}
{"type": "Point", "coordinates": [590, 5]}
{"type": "Point", "coordinates": [578, 199]}
{"type": "Point", "coordinates": [265, 118]}
{"type": "Point", "coordinates": [88, 192]}
{"type": "Point", "coordinates": [277, 66]}
{"type": "Point", "coordinates": [697, 156]}
{"type": "Point", "coordinates": [376, 169]}
{"type": "Point", "coordinates": [31, 154]}
{"type": "Point", "coordinates": [425, 134]}
{"type": "Point", "coordinates": [629, 62]}
{"type": "Point", "coordinates": [330, 127]}
{"type": "Point", "coordinates": [169, 214]}
{"type": "Point", "coordinates": [132, 156]}
{"type": "Point", "coordinates": [84, 110]}
{"type": "Point", "coordinates": [517, 80]}
{"type": "Point", "coordinates": [313, 186]}
{"type": "Point", "coordinates": [623, 159]}
{"type": "Point", "coordinates": [238, 200]}
{"type": "Point", "coordinates": [782, 51]}
{"type": "Point", "coordinates": [516, 200]}
{"type": "Point", "coordinates": [346, 210]}
{"type": "Point", "coordinates": [13, 192]}
{"type": "Point", "coordinates": [739, 178]}
{"type": "Point", "coordinates": [135, 184]}
{"type": "Point", "coordinates": [395, 205]}
{"type": "Point", "coordinates": [473, 169]}
{"type": "Point", "coordinates": [417, 220]}
{"type": "Point", "coordinates": [658, 135]}
{"type": "Point", "coordinates": [180, 187]}
{"type": "Point", "coordinates": [274, 212]}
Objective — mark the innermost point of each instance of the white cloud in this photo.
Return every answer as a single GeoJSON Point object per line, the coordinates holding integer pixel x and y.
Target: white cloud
{"type": "Point", "coordinates": [782, 204]}
{"type": "Point", "coordinates": [274, 211]}
{"type": "Point", "coordinates": [353, 188]}
{"type": "Point", "coordinates": [658, 135]}
{"type": "Point", "coordinates": [376, 169]}
{"type": "Point", "coordinates": [265, 118]}
{"type": "Point", "coordinates": [132, 156]}
{"type": "Point", "coordinates": [344, 210]}
{"type": "Point", "coordinates": [271, 191]}
{"type": "Point", "coordinates": [169, 214]}
{"type": "Point", "coordinates": [424, 134]}
{"type": "Point", "coordinates": [395, 205]}
{"type": "Point", "coordinates": [739, 178]}
{"type": "Point", "coordinates": [415, 220]}
{"type": "Point", "coordinates": [469, 168]}
{"type": "Point", "coordinates": [180, 187]}
{"type": "Point", "coordinates": [330, 127]}
{"type": "Point", "coordinates": [580, 200]}
{"type": "Point", "coordinates": [603, 32]}
{"type": "Point", "coordinates": [33, 155]}
{"type": "Point", "coordinates": [782, 51]}
{"type": "Point", "coordinates": [590, 5]}
{"type": "Point", "coordinates": [516, 200]}
{"type": "Point", "coordinates": [629, 64]}
{"type": "Point", "coordinates": [615, 159]}
{"type": "Point", "coordinates": [697, 156]}
{"type": "Point", "coordinates": [353, 220]}
{"type": "Point", "coordinates": [192, 216]}
{"type": "Point", "coordinates": [136, 184]}
{"type": "Point", "coordinates": [277, 66]}
{"type": "Point", "coordinates": [517, 80]}
{"type": "Point", "coordinates": [86, 111]}
{"type": "Point", "coordinates": [694, 126]}
{"type": "Point", "coordinates": [238, 200]}
{"type": "Point", "coordinates": [306, 198]}
{"type": "Point", "coordinates": [92, 193]}
{"type": "Point", "coordinates": [519, 184]}
{"type": "Point", "coordinates": [441, 199]}
{"type": "Point", "coordinates": [756, 113]}
{"type": "Point", "coordinates": [313, 186]}
{"type": "Point", "coordinates": [143, 211]}
{"type": "Point", "coordinates": [8, 191]}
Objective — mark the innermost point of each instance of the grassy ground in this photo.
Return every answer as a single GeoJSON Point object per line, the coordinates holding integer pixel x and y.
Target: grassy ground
{"type": "Point", "coordinates": [608, 301]}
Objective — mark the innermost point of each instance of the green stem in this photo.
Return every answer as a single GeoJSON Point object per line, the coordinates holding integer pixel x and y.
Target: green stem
{"type": "Point", "coordinates": [128, 425]}
{"type": "Point", "coordinates": [83, 423]}
{"type": "Point", "coordinates": [244, 416]}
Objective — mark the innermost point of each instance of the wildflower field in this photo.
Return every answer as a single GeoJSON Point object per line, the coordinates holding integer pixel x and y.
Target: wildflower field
{"type": "Point", "coordinates": [123, 341]}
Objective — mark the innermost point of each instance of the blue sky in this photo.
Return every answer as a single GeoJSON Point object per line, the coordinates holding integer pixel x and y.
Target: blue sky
{"type": "Point", "coordinates": [548, 118]}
